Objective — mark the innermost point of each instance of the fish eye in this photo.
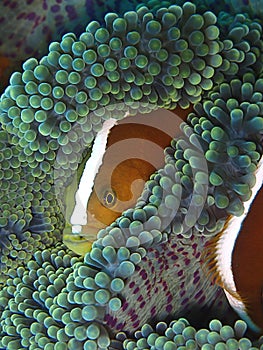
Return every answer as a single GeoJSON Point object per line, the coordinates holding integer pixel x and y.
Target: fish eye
{"type": "Point", "coordinates": [109, 198]}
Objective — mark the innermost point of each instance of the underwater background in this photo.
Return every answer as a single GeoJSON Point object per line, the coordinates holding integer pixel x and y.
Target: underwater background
{"type": "Point", "coordinates": [143, 285]}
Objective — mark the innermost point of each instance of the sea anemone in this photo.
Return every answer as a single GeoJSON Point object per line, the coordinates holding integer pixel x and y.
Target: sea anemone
{"type": "Point", "coordinates": [145, 269]}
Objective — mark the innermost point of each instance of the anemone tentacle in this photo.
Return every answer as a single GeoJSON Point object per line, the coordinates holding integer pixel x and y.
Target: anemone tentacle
{"type": "Point", "coordinates": [37, 23]}
{"type": "Point", "coordinates": [47, 107]}
{"type": "Point", "coordinates": [181, 333]}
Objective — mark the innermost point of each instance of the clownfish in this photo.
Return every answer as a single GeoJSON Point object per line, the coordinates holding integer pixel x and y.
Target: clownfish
{"type": "Point", "coordinates": [123, 157]}
{"type": "Point", "coordinates": [6, 66]}
{"type": "Point", "coordinates": [234, 258]}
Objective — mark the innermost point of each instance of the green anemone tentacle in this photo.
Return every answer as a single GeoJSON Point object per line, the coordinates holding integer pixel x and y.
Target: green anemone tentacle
{"type": "Point", "coordinates": [140, 268]}
{"type": "Point", "coordinates": [180, 333]}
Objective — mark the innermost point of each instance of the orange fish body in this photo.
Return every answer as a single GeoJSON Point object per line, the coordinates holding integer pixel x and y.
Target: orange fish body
{"type": "Point", "coordinates": [247, 261]}
{"type": "Point", "coordinates": [235, 258]}
{"type": "Point", "coordinates": [126, 167]}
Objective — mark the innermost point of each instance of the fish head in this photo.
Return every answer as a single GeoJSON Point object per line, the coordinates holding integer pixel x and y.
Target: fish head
{"type": "Point", "coordinates": [133, 152]}
{"type": "Point", "coordinates": [111, 197]}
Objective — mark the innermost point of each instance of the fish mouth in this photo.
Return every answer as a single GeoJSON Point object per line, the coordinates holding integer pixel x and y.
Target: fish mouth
{"type": "Point", "coordinates": [76, 238]}
{"type": "Point", "coordinates": [81, 233]}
